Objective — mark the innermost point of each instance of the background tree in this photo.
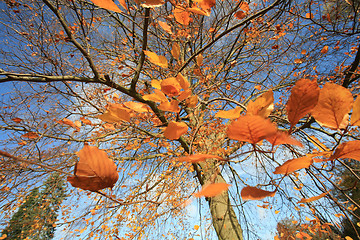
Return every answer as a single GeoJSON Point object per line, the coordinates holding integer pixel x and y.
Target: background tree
{"type": "Point", "coordinates": [152, 82]}
{"type": "Point", "coordinates": [37, 215]}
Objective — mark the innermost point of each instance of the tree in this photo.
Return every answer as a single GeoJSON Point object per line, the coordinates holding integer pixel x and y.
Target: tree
{"type": "Point", "coordinates": [158, 100]}
{"type": "Point", "coordinates": [36, 216]}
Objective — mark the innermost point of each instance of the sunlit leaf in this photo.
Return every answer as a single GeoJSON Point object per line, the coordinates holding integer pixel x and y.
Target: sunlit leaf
{"type": "Point", "coordinates": [253, 193]}
{"type": "Point", "coordinates": [192, 101]}
{"type": "Point", "coordinates": [307, 200]}
{"type": "Point", "coordinates": [68, 122]}
{"type": "Point", "coordinates": [172, 106]}
{"type": "Point", "coordinates": [244, 6]}
{"type": "Point", "coordinates": [347, 150]}
{"type": "Point", "coordinates": [94, 171]}
{"type": "Point", "coordinates": [157, 96]}
{"type": "Point", "coordinates": [115, 113]}
{"type": "Point", "coordinates": [184, 95]}
{"type": "Point", "coordinates": [294, 165]}
{"type": "Point", "coordinates": [184, 83]}
{"type": "Point", "coordinates": [107, 4]}
{"type": "Point", "coordinates": [199, 59]}
{"type": "Point", "coordinates": [165, 26]}
{"type": "Point", "coordinates": [198, 158]}
{"type": "Point", "coordinates": [355, 116]}
{"type": "Point", "coordinates": [304, 97]}
{"type": "Point", "coordinates": [334, 103]}
{"type": "Point", "coordinates": [262, 106]}
{"type": "Point", "coordinates": [229, 114]}
{"type": "Point", "coordinates": [175, 129]}
{"type": "Point", "coordinates": [199, 11]}
{"type": "Point", "coordinates": [137, 106]}
{"type": "Point", "coordinates": [30, 135]}
{"type": "Point", "coordinates": [212, 190]}
{"type": "Point", "coordinates": [170, 86]}
{"type": "Point", "coordinates": [156, 59]}
{"type": "Point", "coordinates": [182, 16]}
{"type": "Point", "coordinates": [156, 84]}
{"type": "Point", "coordinates": [281, 137]}
{"type": "Point", "coordinates": [250, 129]}
{"type": "Point", "coordinates": [152, 3]}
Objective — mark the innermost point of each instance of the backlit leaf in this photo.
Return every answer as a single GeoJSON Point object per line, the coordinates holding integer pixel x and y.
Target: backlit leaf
{"type": "Point", "coordinates": [281, 137]}
{"type": "Point", "coordinates": [137, 107]}
{"type": "Point", "coordinates": [165, 26]}
{"type": "Point", "coordinates": [334, 103]}
{"type": "Point", "coordinates": [115, 113]}
{"type": "Point", "coordinates": [229, 114]}
{"type": "Point", "coordinates": [94, 171]}
{"type": "Point", "coordinates": [107, 4]}
{"type": "Point", "coordinates": [172, 106]}
{"type": "Point", "coordinates": [156, 59]}
{"type": "Point", "coordinates": [347, 150]}
{"type": "Point", "coordinates": [307, 200]}
{"type": "Point", "coordinates": [199, 11]}
{"type": "Point", "coordinates": [175, 129]}
{"type": "Point", "coordinates": [156, 84]}
{"type": "Point", "coordinates": [184, 83]}
{"type": "Point", "coordinates": [157, 96]}
{"type": "Point", "coordinates": [250, 129]}
{"type": "Point", "coordinates": [253, 193]}
{"type": "Point", "coordinates": [184, 95]}
{"type": "Point", "coordinates": [30, 135]}
{"type": "Point", "coordinates": [294, 165]}
{"type": "Point", "coordinates": [197, 158]}
{"type": "Point", "coordinates": [262, 106]}
{"type": "Point", "coordinates": [355, 116]}
{"type": "Point", "coordinates": [212, 190]}
{"type": "Point", "coordinates": [182, 16]}
{"type": "Point", "coordinates": [170, 86]}
{"type": "Point", "coordinates": [304, 97]}
{"type": "Point", "coordinates": [152, 3]}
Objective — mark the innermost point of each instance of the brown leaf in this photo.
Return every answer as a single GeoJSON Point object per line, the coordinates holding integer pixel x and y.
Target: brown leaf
{"type": "Point", "coordinates": [347, 150]}
{"type": "Point", "coordinates": [30, 135]}
{"type": "Point", "coordinates": [17, 120]}
{"type": "Point", "coordinates": [304, 97]}
{"type": "Point", "coordinates": [198, 158]}
{"type": "Point", "coordinates": [175, 129]}
{"type": "Point", "coordinates": [253, 193]}
{"type": "Point", "coordinates": [251, 129]}
{"type": "Point", "coordinates": [307, 200]}
{"type": "Point", "coordinates": [107, 4]}
{"type": "Point", "coordinates": [212, 190]}
{"type": "Point", "coordinates": [262, 106]}
{"type": "Point", "coordinates": [240, 15]}
{"type": "Point", "coordinates": [294, 165]}
{"type": "Point", "coordinates": [325, 49]}
{"type": "Point", "coordinates": [94, 171]}
{"type": "Point", "coordinates": [335, 102]}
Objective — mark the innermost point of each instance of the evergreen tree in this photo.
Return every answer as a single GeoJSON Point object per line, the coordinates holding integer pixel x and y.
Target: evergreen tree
{"type": "Point", "coordinates": [36, 217]}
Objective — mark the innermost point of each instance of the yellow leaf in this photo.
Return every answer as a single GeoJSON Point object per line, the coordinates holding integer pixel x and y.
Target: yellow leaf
{"type": "Point", "coordinates": [137, 107]}
{"type": "Point", "coordinates": [196, 227]}
{"type": "Point", "coordinates": [156, 84]}
{"type": "Point", "coordinates": [156, 59]}
{"type": "Point", "coordinates": [152, 3]}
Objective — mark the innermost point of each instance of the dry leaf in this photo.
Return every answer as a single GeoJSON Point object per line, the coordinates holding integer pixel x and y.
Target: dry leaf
{"type": "Point", "coordinates": [175, 129]}
{"type": "Point", "coordinates": [212, 190]}
{"type": "Point", "coordinates": [251, 129]}
{"type": "Point", "coordinates": [304, 97]}
{"type": "Point", "coordinates": [198, 158]}
{"type": "Point", "coordinates": [94, 171]}
{"type": "Point", "coordinates": [156, 59]}
{"type": "Point", "coordinates": [262, 106]}
{"type": "Point", "coordinates": [107, 4]}
{"type": "Point", "coordinates": [307, 200]}
{"type": "Point", "coordinates": [294, 165]}
{"type": "Point", "coordinates": [192, 101]}
{"type": "Point", "coordinates": [229, 114]}
{"type": "Point", "coordinates": [334, 103]}
{"type": "Point", "coordinates": [240, 15]}
{"type": "Point", "coordinates": [17, 120]}
{"type": "Point", "coordinates": [30, 135]}
{"type": "Point", "coordinates": [347, 150]}
{"type": "Point", "coordinates": [253, 193]}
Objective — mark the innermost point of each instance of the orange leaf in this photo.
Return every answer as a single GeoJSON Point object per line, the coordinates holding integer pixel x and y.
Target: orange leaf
{"type": "Point", "coordinates": [334, 104]}
{"type": "Point", "coordinates": [107, 4]}
{"type": "Point", "coordinates": [172, 106]}
{"type": "Point", "coordinates": [175, 129]}
{"type": "Point", "coordinates": [229, 114]}
{"type": "Point", "coordinates": [68, 122]}
{"type": "Point", "coordinates": [212, 190]}
{"type": "Point", "coordinates": [294, 164]}
{"type": "Point", "coordinates": [251, 129]}
{"type": "Point", "coordinates": [298, 61]}
{"type": "Point", "coordinates": [304, 97]}
{"type": "Point", "coordinates": [85, 121]}
{"type": "Point", "coordinates": [206, 4]}
{"type": "Point", "coordinates": [165, 26]}
{"type": "Point", "coordinates": [325, 49]}
{"type": "Point", "coordinates": [17, 120]}
{"type": "Point", "coordinates": [184, 95]}
{"type": "Point", "coordinates": [156, 84]}
{"type": "Point", "coordinates": [152, 3]}
{"type": "Point", "coordinates": [245, 7]}
{"type": "Point", "coordinates": [240, 15]}
{"type": "Point", "coordinates": [137, 107]}
{"type": "Point", "coordinates": [175, 51]}
{"type": "Point", "coordinates": [355, 116]}
{"type": "Point", "coordinates": [115, 113]}
{"type": "Point", "coordinates": [192, 101]}
{"type": "Point", "coordinates": [94, 171]}
{"type": "Point", "coordinates": [198, 158]}
{"type": "Point", "coordinates": [156, 59]}
{"type": "Point", "coordinates": [182, 16]}
{"type": "Point", "coordinates": [199, 11]}
{"type": "Point", "coordinates": [307, 200]}
{"type": "Point", "coordinates": [170, 86]}
{"type": "Point", "coordinates": [158, 96]}
{"type": "Point", "coordinates": [262, 106]}
{"type": "Point", "coordinates": [30, 135]}
{"type": "Point", "coordinates": [253, 193]}
{"type": "Point", "coordinates": [347, 150]}
{"type": "Point", "coordinates": [281, 137]}
{"type": "Point", "coordinates": [184, 83]}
